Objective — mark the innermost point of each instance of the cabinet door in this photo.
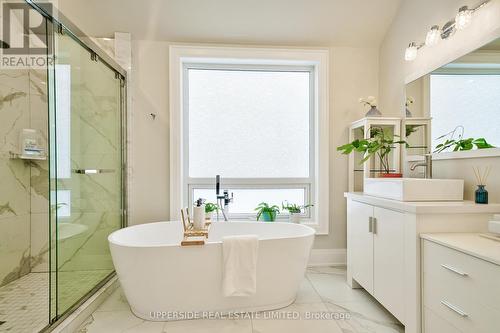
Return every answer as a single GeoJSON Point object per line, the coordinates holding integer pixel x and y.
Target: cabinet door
{"type": "Point", "coordinates": [360, 247]}
{"type": "Point", "coordinates": [388, 262]}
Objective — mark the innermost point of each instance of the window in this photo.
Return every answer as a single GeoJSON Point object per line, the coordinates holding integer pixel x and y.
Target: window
{"type": "Point", "coordinates": [253, 126]}
{"type": "Point", "coordinates": [456, 99]}
{"type": "Point", "coordinates": [63, 120]}
{"type": "Point", "coordinates": [258, 117]}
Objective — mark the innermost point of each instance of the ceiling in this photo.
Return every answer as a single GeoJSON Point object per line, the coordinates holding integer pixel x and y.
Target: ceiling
{"type": "Point", "coordinates": [279, 22]}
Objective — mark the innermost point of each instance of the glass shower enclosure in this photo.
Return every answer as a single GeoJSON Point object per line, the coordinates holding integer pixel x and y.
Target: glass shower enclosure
{"type": "Point", "coordinates": [58, 205]}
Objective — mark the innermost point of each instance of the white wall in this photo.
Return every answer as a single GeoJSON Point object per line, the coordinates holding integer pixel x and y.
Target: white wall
{"type": "Point", "coordinates": [411, 23]}
{"type": "Point", "coordinates": [354, 73]}
{"type": "Point", "coordinates": [150, 174]}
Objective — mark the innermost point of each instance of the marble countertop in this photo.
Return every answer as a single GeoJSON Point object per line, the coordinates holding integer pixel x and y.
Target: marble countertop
{"type": "Point", "coordinates": [426, 207]}
{"type": "Point", "coordinates": [469, 243]}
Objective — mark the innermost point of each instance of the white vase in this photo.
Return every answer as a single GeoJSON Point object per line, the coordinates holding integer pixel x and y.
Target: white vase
{"type": "Point", "coordinates": [294, 217]}
{"type": "Point", "coordinates": [373, 112]}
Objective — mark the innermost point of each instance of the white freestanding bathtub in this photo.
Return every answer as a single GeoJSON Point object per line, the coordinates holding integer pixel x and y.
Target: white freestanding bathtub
{"type": "Point", "coordinates": [164, 281]}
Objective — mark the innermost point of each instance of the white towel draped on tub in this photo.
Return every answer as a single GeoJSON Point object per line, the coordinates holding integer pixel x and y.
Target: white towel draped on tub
{"type": "Point", "coordinates": [239, 266]}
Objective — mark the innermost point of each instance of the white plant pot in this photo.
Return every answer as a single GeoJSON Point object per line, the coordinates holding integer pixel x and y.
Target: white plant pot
{"type": "Point", "coordinates": [294, 218]}
{"type": "Point", "coordinates": [208, 216]}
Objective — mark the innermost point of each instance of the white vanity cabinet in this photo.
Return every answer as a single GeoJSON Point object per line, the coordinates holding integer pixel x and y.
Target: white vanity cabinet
{"type": "Point", "coordinates": [383, 247]}
{"type": "Point", "coordinates": [378, 262]}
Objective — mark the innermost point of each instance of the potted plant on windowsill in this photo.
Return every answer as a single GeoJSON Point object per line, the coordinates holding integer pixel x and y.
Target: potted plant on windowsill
{"type": "Point", "coordinates": [379, 144]}
{"type": "Point", "coordinates": [210, 208]}
{"type": "Point", "coordinates": [266, 212]}
{"type": "Point", "coordinates": [295, 211]}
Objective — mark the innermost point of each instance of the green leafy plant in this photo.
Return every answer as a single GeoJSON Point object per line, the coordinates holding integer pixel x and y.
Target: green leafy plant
{"type": "Point", "coordinates": [460, 143]}
{"type": "Point", "coordinates": [379, 144]}
{"type": "Point", "coordinates": [268, 213]}
{"type": "Point", "coordinates": [211, 207]}
{"type": "Point", "coordinates": [294, 208]}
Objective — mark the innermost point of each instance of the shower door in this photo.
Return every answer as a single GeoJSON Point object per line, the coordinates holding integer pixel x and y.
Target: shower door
{"type": "Point", "coordinates": [87, 163]}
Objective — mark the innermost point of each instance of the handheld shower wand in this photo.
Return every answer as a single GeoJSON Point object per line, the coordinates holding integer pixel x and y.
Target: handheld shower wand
{"type": "Point", "coordinates": [222, 200]}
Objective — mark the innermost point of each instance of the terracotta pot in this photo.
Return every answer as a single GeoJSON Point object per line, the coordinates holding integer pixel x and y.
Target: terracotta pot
{"type": "Point", "coordinates": [390, 175]}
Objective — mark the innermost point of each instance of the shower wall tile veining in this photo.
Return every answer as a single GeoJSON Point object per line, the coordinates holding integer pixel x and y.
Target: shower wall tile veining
{"type": "Point", "coordinates": [24, 204]}
{"type": "Point", "coordinates": [57, 211]}
{"type": "Point", "coordinates": [24, 194]}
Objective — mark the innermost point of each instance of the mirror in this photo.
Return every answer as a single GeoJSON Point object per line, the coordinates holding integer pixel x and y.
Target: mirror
{"type": "Point", "coordinates": [463, 100]}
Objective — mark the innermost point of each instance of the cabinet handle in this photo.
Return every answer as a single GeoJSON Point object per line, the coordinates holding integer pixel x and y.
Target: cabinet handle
{"type": "Point", "coordinates": [454, 308]}
{"type": "Point", "coordinates": [370, 224]}
{"type": "Point", "coordinates": [374, 226]}
{"type": "Point", "coordinates": [454, 270]}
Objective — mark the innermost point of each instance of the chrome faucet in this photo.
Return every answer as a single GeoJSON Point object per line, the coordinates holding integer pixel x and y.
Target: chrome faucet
{"type": "Point", "coordinates": [427, 164]}
{"type": "Point", "coordinates": [223, 200]}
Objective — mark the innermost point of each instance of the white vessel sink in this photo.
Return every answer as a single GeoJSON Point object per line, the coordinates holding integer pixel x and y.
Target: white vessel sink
{"type": "Point", "coordinates": [415, 189]}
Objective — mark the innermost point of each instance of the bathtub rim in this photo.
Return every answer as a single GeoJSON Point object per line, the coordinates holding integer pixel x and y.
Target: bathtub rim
{"type": "Point", "coordinates": [308, 231]}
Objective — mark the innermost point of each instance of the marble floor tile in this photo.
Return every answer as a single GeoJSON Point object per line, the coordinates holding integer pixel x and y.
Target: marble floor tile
{"type": "Point", "coordinates": [116, 302]}
{"type": "Point", "coordinates": [333, 287]}
{"type": "Point", "coordinates": [325, 303]}
{"type": "Point", "coordinates": [301, 320]}
{"type": "Point", "coordinates": [369, 309]}
{"type": "Point", "coordinates": [209, 326]}
{"type": "Point", "coordinates": [119, 322]}
{"type": "Point", "coordinates": [307, 294]}
{"type": "Point", "coordinates": [366, 317]}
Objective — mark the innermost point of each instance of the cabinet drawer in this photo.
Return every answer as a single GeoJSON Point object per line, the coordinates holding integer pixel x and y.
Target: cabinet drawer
{"type": "Point", "coordinates": [435, 324]}
{"type": "Point", "coordinates": [476, 280]}
{"type": "Point", "coordinates": [453, 305]}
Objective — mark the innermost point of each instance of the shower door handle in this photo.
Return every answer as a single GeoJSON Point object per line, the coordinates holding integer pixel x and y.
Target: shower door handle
{"type": "Point", "coordinates": [92, 171]}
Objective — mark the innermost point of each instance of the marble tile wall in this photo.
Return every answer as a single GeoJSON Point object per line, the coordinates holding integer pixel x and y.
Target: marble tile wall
{"type": "Point", "coordinates": [23, 184]}
{"type": "Point", "coordinates": [14, 177]}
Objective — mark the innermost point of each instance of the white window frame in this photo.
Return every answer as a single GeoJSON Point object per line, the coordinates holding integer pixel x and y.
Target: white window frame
{"type": "Point", "coordinates": [315, 60]}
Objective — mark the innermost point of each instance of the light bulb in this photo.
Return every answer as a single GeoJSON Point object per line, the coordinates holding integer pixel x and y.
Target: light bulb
{"type": "Point", "coordinates": [411, 52]}
{"type": "Point", "coordinates": [463, 18]}
{"type": "Point", "coordinates": [433, 36]}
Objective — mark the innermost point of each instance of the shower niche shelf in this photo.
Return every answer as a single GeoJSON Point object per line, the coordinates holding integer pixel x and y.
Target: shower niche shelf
{"type": "Point", "coordinates": [18, 156]}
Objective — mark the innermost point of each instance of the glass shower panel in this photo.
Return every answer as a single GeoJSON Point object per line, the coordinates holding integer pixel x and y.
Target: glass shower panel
{"type": "Point", "coordinates": [88, 191]}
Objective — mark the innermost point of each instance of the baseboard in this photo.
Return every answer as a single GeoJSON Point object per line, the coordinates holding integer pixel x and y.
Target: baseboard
{"type": "Point", "coordinates": [328, 257]}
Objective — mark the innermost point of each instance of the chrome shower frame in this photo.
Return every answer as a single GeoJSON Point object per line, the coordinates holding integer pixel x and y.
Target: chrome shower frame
{"type": "Point", "coordinates": [65, 26]}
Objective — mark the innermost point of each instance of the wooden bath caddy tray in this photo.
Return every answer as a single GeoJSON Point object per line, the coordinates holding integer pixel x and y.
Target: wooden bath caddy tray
{"type": "Point", "coordinates": [193, 236]}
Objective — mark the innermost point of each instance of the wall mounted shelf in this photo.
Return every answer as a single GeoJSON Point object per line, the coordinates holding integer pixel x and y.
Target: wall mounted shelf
{"type": "Point", "coordinates": [15, 155]}
{"type": "Point", "coordinates": [419, 139]}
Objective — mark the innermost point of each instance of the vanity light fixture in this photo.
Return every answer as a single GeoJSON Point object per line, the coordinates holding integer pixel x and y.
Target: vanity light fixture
{"type": "Point", "coordinates": [412, 51]}
{"type": "Point", "coordinates": [461, 21]}
{"type": "Point", "coordinates": [463, 18]}
{"type": "Point", "coordinates": [433, 36]}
